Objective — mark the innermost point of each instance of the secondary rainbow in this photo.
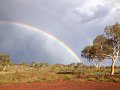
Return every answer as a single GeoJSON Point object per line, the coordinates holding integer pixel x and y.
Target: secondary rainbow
{"type": "Point", "coordinates": [44, 33]}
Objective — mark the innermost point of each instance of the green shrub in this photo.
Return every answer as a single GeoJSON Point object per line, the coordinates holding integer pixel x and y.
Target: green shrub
{"type": "Point", "coordinates": [67, 77]}
{"type": "Point", "coordinates": [117, 80]}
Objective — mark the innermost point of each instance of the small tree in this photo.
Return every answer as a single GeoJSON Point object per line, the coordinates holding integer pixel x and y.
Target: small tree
{"type": "Point", "coordinates": [35, 64]}
{"type": "Point", "coordinates": [94, 55]}
{"type": "Point", "coordinates": [5, 60]}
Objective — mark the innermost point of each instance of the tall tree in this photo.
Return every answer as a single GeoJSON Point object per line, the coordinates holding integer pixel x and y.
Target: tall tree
{"type": "Point", "coordinates": [113, 34]}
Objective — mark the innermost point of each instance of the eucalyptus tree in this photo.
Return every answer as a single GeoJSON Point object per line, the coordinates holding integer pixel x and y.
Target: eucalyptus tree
{"type": "Point", "coordinates": [113, 34]}
{"type": "Point", "coordinates": [95, 52]}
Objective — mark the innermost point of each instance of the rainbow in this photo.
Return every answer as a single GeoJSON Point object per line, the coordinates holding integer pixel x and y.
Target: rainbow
{"type": "Point", "coordinates": [44, 33]}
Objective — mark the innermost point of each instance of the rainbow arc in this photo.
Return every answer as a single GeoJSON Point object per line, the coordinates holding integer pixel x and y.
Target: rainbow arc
{"type": "Point", "coordinates": [46, 34]}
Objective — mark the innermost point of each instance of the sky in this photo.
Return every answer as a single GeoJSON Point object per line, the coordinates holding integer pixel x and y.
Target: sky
{"type": "Point", "coordinates": [73, 22]}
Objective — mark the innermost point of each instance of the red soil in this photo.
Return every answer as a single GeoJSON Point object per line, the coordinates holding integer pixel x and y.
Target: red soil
{"type": "Point", "coordinates": [62, 85]}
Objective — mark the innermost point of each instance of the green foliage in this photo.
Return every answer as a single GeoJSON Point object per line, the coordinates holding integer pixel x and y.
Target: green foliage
{"type": "Point", "coordinates": [113, 34]}
{"type": "Point", "coordinates": [39, 64]}
{"type": "Point", "coordinates": [4, 59]}
{"type": "Point", "coordinates": [97, 51]}
{"type": "Point", "coordinates": [67, 77]}
{"type": "Point", "coordinates": [113, 31]}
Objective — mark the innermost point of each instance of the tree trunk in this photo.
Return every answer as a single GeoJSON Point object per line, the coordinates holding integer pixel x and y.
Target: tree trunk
{"type": "Point", "coordinates": [100, 65]}
{"type": "Point", "coordinates": [113, 67]}
{"type": "Point", "coordinates": [97, 68]}
{"type": "Point", "coordinates": [96, 65]}
{"type": "Point", "coordinates": [4, 68]}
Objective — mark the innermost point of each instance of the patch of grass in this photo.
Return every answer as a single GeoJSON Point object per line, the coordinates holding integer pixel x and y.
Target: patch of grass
{"type": "Point", "coordinates": [116, 80]}
{"type": "Point", "coordinates": [67, 77]}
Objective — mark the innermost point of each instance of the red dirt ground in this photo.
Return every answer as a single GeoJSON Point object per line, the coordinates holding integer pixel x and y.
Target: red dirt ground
{"type": "Point", "coordinates": [62, 85]}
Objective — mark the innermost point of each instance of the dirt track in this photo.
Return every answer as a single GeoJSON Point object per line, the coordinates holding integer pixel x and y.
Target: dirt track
{"type": "Point", "coordinates": [62, 85]}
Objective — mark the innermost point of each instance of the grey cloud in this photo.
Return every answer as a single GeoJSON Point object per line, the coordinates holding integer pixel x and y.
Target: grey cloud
{"type": "Point", "coordinates": [99, 13]}
{"type": "Point", "coordinates": [100, 9]}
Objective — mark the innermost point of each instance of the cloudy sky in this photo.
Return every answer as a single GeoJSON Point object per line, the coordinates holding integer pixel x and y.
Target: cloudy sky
{"type": "Point", "coordinates": [74, 22]}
